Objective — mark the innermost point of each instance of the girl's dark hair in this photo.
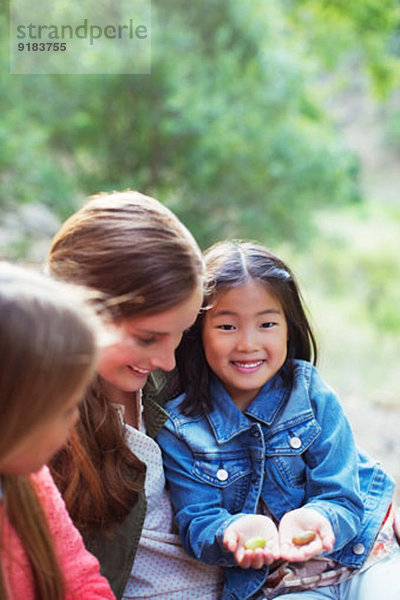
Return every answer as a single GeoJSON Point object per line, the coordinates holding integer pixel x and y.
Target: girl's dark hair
{"type": "Point", "coordinates": [143, 261]}
{"type": "Point", "coordinates": [231, 264]}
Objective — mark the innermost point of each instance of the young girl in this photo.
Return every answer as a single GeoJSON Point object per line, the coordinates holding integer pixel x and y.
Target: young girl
{"type": "Point", "coordinates": [48, 355]}
{"type": "Point", "coordinates": [264, 474]}
{"type": "Point", "coordinates": [149, 270]}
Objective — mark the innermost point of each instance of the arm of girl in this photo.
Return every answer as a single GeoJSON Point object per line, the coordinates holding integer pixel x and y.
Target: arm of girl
{"type": "Point", "coordinates": [332, 486]}
{"type": "Point", "coordinates": [81, 569]}
{"type": "Point", "coordinates": [201, 518]}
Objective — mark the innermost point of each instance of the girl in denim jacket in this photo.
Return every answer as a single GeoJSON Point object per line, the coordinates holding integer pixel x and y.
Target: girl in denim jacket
{"type": "Point", "coordinates": [264, 474]}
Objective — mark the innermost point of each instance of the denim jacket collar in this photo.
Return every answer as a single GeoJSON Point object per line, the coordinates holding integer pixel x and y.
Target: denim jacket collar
{"type": "Point", "coordinates": [271, 406]}
{"type": "Point", "coordinates": [227, 421]}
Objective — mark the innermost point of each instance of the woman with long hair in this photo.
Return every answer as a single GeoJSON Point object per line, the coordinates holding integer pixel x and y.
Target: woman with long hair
{"type": "Point", "coordinates": [149, 271]}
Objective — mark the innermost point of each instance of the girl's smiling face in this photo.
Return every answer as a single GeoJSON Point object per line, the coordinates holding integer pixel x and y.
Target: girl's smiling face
{"type": "Point", "coordinates": [245, 337]}
{"type": "Point", "coordinates": [145, 344]}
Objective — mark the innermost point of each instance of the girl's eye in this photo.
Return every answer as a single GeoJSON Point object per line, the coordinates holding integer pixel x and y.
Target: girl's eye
{"type": "Point", "coordinates": [226, 327]}
{"type": "Point", "coordinates": [268, 325]}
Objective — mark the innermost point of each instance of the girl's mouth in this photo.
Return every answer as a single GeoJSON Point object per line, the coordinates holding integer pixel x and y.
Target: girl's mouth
{"type": "Point", "coordinates": [247, 366]}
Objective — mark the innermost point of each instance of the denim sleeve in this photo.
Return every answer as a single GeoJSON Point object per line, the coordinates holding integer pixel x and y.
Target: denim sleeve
{"type": "Point", "coordinates": [200, 517]}
{"type": "Point", "coordinates": [333, 486]}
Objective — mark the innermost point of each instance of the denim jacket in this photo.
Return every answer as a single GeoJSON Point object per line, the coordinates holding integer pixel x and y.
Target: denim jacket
{"type": "Point", "coordinates": [292, 447]}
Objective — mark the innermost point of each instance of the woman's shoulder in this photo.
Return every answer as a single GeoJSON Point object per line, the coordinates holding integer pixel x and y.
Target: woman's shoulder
{"type": "Point", "coordinates": [162, 386]}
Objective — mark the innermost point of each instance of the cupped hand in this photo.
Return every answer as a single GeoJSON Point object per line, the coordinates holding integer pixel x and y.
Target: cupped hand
{"type": "Point", "coordinates": [245, 528]}
{"type": "Point", "coordinates": [297, 522]}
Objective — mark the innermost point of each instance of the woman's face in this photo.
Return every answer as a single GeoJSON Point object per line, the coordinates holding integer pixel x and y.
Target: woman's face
{"type": "Point", "coordinates": [145, 344]}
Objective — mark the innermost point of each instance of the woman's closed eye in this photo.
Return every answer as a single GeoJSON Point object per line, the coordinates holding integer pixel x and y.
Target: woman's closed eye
{"type": "Point", "coordinates": [146, 341]}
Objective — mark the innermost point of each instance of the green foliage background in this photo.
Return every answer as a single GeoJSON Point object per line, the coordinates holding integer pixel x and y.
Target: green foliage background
{"type": "Point", "coordinates": [234, 131]}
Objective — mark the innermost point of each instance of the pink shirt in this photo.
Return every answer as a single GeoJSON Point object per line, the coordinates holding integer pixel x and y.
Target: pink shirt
{"type": "Point", "coordinates": [81, 569]}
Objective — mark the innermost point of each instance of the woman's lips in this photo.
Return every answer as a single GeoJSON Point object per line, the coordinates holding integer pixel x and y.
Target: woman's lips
{"type": "Point", "coordinates": [139, 371]}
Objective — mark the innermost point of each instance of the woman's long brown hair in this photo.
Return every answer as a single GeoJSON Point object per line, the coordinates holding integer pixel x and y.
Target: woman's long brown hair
{"type": "Point", "coordinates": [143, 261]}
{"type": "Point", "coordinates": [47, 354]}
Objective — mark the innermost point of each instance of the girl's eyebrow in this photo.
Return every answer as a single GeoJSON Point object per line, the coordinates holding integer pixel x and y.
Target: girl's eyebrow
{"type": "Point", "coordinates": [267, 311]}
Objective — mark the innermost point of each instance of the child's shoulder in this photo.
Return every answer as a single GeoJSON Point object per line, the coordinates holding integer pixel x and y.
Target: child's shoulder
{"type": "Point", "coordinates": [50, 498]}
{"type": "Point", "coordinates": [175, 413]}
{"type": "Point", "coordinates": [305, 370]}
{"type": "Point", "coordinates": [307, 379]}
{"type": "Point", "coordinates": [42, 478]}
{"type": "Point", "coordinates": [45, 487]}
{"type": "Point", "coordinates": [172, 406]}
{"type": "Point", "coordinates": [301, 367]}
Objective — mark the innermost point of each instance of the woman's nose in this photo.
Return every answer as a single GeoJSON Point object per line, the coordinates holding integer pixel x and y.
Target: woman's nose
{"type": "Point", "coordinates": [164, 360]}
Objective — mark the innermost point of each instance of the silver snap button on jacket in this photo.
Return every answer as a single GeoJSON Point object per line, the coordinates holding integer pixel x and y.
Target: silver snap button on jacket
{"type": "Point", "coordinates": [295, 443]}
{"type": "Point", "coordinates": [222, 475]}
{"type": "Point", "coordinates": [358, 549]}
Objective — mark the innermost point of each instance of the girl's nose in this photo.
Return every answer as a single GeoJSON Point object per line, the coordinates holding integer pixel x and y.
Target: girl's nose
{"type": "Point", "coordinates": [247, 342]}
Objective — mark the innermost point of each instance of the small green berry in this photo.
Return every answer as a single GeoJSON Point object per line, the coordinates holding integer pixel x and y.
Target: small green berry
{"type": "Point", "coordinates": [254, 542]}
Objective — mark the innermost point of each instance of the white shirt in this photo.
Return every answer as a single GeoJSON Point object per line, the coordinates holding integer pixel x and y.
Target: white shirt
{"type": "Point", "coordinates": [162, 569]}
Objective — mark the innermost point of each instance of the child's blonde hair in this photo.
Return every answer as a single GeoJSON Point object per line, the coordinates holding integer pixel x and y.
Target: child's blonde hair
{"type": "Point", "coordinates": [47, 353]}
